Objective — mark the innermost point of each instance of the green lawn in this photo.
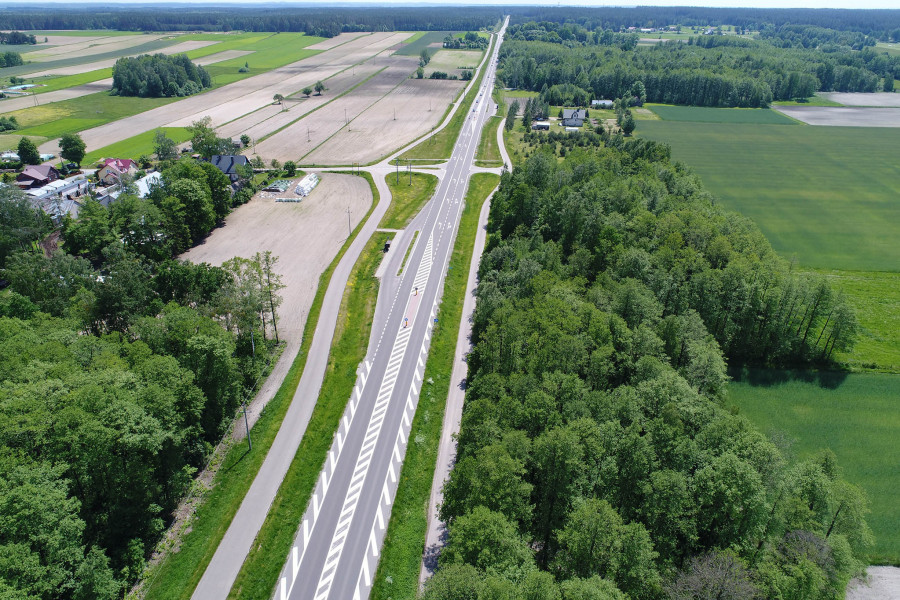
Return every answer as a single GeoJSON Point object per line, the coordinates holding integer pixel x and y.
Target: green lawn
{"type": "Point", "coordinates": [702, 114]}
{"type": "Point", "coordinates": [876, 298]}
{"type": "Point", "coordinates": [825, 195]}
{"type": "Point", "coordinates": [398, 570]}
{"type": "Point", "coordinates": [811, 101]}
{"type": "Point", "coordinates": [409, 193]}
{"type": "Point", "coordinates": [488, 154]}
{"type": "Point", "coordinates": [856, 415]}
{"type": "Point", "coordinates": [414, 45]}
{"type": "Point", "coordinates": [52, 84]}
{"type": "Point", "coordinates": [9, 141]}
{"type": "Point", "coordinates": [135, 146]}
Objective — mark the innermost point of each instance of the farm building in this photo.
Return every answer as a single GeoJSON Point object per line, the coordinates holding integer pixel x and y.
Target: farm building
{"type": "Point", "coordinates": [279, 185]}
{"type": "Point", "coordinates": [540, 126]}
{"type": "Point", "coordinates": [602, 104]}
{"type": "Point", "coordinates": [228, 164]}
{"type": "Point", "coordinates": [574, 117]}
{"type": "Point", "coordinates": [307, 184]}
{"type": "Point", "coordinates": [35, 176]}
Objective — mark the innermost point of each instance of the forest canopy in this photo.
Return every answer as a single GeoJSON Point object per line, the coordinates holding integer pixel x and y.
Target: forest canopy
{"type": "Point", "coordinates": [708, 71]}
{"type": "Point", "coordinates": [596, 455]}
{"type": "Point", "coordinates": [157, 76]}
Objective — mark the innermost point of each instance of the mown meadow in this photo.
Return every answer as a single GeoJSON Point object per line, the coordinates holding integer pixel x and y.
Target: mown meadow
{"type": "Point", "coordinates": [855, 415]}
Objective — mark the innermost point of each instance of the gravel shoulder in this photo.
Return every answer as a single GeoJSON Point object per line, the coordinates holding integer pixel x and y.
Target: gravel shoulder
{"type": "Point", "coordinates": [883, 583]}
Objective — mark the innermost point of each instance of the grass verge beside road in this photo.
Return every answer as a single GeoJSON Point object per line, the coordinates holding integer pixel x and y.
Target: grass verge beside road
{"type": "Point", "coordinates": [176, 576]}
{"type": "Point", "coordinates": [401, 556]}
{"type": "Point", "coordinates": [488, 153]}
{"type": "Point", "coordinates": [440, 145]}
{"type": "Point", "coordinates": [407, 199]}
{"type": "Point", "coordinates": [856, 415]}
{"type": "Point", "coordinates": [259, 574]}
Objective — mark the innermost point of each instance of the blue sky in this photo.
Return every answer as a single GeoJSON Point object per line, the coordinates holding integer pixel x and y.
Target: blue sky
{"type": "Point", "coordinates": [894, 4]}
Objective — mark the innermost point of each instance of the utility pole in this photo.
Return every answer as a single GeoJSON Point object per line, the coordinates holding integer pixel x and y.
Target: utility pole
{"type": "Point", "coordinates": [307, 133]}
{"type": "Point", "coordinates": [397, 163]}
{"type": "Point", "coordinates": [409, 168]}
{"type": "Point", "coordinates": [349, 229]}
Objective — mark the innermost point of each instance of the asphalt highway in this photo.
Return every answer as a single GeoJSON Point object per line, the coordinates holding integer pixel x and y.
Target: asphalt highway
{"type": "Point", "coordinates": [338, 543]}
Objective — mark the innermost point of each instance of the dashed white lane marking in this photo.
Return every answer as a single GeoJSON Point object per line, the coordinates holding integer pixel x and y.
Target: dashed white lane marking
{"type": "Point", "coordinates": [373, 432]}
{"type": "Point", "coordinates": [304, 534]}
{"type": "Point", "coordinates": [301, 541]}
{"type": "Point", "coordinates": [389, 487]}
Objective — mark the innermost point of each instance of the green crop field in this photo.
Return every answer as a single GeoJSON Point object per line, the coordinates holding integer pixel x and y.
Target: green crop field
{"type": "Point", "coordinates": [415, 44]}
{"type": "Point", "coordinates": [702, 114]}
{"type": "Point", "coordinates": [825, 195]}
{"type": "Point", "coordinates": [875, 296]}
{"type": "Point", "coordinates": [856, 415]}
{"type": "Point", "coordinates": [135, 146]}
{"type": "Point", "coordinates": [78, 114]}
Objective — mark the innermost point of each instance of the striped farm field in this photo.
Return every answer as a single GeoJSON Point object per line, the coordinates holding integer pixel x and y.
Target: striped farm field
{"type": "Point", "coordinates": [826, 196]}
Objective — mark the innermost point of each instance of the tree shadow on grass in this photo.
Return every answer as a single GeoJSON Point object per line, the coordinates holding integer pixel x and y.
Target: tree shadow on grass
{"type": "Point", "coordinates": [759, 377]}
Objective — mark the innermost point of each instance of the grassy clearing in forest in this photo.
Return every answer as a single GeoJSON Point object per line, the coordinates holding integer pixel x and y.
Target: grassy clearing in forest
{"type": "Point", "coordinates": [398, 570]}
{"type": "Point", "coordinates": [855, 415]}
{"type": "Point", "coordinates": [824, 195]}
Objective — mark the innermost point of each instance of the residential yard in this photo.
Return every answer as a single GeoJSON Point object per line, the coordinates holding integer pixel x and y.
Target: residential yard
{"type": "Point", "coordinates": [857, 416]}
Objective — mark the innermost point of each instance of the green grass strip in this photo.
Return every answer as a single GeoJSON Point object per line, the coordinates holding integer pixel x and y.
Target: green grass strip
{"type": "Point", "coordinates": [408, 252]}
{"type": "Point", "coordinates": [409, 193]}
{"type": "Point", "coordinates": [401, 557]}
{"type": "Point", "coordinates": [259, 573]}
{"type": "Point", "coordinates": [440, 145]}
{"type": "Point", "coordinates": [488, 154]}
{"type": "Point", "coordinates": [177, 575]}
